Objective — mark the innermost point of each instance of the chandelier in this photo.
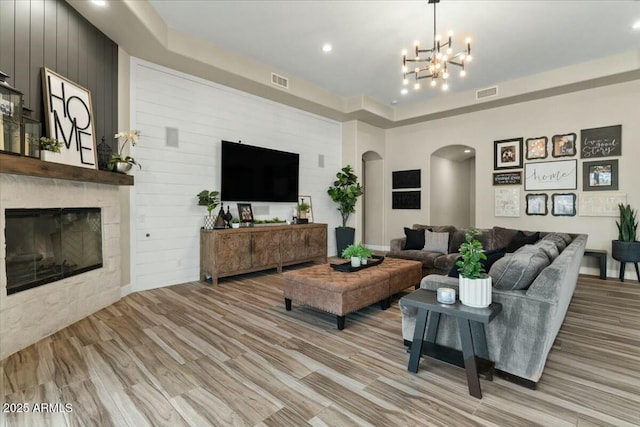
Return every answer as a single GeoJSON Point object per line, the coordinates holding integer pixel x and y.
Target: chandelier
{"type": "Point", "coordinates": [435, 65]}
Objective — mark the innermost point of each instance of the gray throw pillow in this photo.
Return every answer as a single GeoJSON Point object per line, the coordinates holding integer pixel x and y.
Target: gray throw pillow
{"type": "Point", "coordinates": [557, 239]}
{"type": "Point", "coordinates": [549, 248]}
{"type": "Point", "coordinates": [518, 270]}
{"type": "Point", "coordinates": [436, 242]}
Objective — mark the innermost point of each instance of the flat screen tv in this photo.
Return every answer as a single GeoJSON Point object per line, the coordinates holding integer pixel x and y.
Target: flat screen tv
{"type": "Point", "coordinates": [256, 174]}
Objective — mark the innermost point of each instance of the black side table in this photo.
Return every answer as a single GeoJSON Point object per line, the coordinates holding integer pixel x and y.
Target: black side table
{"type": "Point", "coordinates": [471, 323]}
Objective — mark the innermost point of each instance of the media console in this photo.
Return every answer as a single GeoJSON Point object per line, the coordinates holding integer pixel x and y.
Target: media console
{"type": "Point", "coordinates": [244, 250]}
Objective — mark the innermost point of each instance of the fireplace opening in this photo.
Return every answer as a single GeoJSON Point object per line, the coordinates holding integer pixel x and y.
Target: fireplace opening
{"type": "Point", "coordinates": [46, 245]}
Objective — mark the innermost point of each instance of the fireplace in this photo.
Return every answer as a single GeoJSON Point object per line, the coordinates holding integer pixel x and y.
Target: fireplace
{"type": "Point", "coordinates": [46, 245]}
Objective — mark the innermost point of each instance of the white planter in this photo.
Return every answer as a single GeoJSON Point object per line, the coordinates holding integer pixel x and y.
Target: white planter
{"type": "Point", "coordinates": [235, 225]}
{"type": "Point", "coordinates": [363, 261]}
{"type": "Point", "coordinates": [475, 292]}
{"type": "Point", "coordinates": [209, 222]}
{"type": "Point", "coordinates": [355, 261]}
{"type": "Point", "coordinates": [50, 156]}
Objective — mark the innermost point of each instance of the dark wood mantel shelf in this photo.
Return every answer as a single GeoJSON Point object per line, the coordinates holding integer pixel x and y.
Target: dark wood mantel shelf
{"type": "Point", "coordinates": [35, 167]}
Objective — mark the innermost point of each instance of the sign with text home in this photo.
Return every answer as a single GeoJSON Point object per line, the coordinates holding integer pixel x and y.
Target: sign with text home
{"type": "Point", "coordinates": [69, 119]}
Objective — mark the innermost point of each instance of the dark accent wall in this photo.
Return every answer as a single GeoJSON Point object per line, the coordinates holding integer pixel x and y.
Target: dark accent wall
{"type": "Point", "coordinates": [50, 33]}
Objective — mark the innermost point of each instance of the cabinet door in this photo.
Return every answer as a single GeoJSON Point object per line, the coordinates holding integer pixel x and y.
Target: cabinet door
{"type": "Point", "coordinates": [266, 248]}
{"type": "Point", "coordinates": [234, 252]}
{"type": "Point", "coordinates": [293, 245]}
{"type": "Point", "coordinates": [317, 242]}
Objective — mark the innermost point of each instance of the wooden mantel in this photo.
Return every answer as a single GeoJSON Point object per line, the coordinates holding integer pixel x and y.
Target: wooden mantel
{"type": "Point", "coordinates": [35, 167]}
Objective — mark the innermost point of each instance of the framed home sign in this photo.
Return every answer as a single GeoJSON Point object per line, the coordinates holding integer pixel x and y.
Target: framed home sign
{"type": "Point", "coordinates": [69, 119]}
{"type": "Point", "coordinates": [558, 175]}
{"type": "Point", "coordinates": [507, 154]}
{"type": "Point", "coordinates": [600, 175]}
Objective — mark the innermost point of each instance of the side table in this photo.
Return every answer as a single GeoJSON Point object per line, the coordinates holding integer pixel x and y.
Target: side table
{"type": "Point", "coordinates": [471, 323]}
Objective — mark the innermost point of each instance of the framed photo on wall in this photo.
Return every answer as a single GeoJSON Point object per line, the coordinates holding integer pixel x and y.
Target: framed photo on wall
{"type": "Point", "coordinates": [536, 148]}
{"type": "Point", "coordinates": [563, 204]}
{"type": "Point", "coordinates": [245, 213]}
{"type": "Point", "coordinates": [600, 175]}
{"type": "Point", "coordinates": [564, 145]}
{"type": "Point", "coordinates": [537, 204]}
{"type": "Point", "coordinates": [507, 154]}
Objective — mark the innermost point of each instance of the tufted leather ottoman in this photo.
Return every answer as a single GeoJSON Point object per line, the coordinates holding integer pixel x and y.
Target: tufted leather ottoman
{"type": "Point", "coordinates": [341, 293]}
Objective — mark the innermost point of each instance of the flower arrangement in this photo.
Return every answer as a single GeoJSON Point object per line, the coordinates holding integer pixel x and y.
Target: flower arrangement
{"type": "Point", "coordinates": [131, 137]}
{"type": "Point", "coordinates": [50, 144]}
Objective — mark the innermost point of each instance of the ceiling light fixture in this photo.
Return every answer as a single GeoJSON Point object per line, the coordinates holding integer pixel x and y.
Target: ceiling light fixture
{"type": "Point", "coordinates": [436, 64]}
{"type": "Point", "coordinates": [99, 2]}
{"type": "Point", "coordinates": [636, 25]}
{"type": "Point", "coordinates": [327, 47]}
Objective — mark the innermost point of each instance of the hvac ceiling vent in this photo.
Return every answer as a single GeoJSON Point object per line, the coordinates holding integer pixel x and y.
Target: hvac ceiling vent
{"type": "Point", "coordinates": [486, 93]}
{"type": "Point", "coordinates": [280, 81]}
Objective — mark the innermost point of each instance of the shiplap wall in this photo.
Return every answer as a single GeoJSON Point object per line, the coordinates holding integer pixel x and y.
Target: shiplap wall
{"type": "Point", "coordinates": [164, 203]}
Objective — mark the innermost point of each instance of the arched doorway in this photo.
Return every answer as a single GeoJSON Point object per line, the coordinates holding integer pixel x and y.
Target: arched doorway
{"type": "Point", "coordinates": [452, 186]}
{"type": "Point", "coordinates": [372, 200]}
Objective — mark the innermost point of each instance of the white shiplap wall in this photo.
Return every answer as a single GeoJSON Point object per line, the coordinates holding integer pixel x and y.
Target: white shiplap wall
{"type": "Point", "coordinates": [164, 203]}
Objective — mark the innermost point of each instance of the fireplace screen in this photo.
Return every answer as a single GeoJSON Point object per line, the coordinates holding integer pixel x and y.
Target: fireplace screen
{"type": "Point", "coordinates": [45, 245]}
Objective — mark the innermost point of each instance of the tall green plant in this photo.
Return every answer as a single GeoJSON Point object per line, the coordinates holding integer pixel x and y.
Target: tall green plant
{"type": "Point", "coordinates": [345, 192]}
{"type": "Point", "coordinates": [628, 225]}
{"type": "Point", "coordinates": [470, 266]}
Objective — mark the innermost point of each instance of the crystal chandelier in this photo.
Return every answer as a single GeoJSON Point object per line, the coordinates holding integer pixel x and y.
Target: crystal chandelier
{"type": "Point", "coordinates": [435, 65]}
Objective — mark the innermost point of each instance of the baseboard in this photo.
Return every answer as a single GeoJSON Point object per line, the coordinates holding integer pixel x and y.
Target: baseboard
{"type": "Point", "coordinates": [378, 248]}
{"type": "Point", "coordinates": [125, 290]}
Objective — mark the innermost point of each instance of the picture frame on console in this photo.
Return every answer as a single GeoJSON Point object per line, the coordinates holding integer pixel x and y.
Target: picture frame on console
{"type": "Point", "coordinates": [507, 154]}
{"type": "Point", "coordinates": [564, 145]}
{"type": "Point", "coordinates": [245, 213]}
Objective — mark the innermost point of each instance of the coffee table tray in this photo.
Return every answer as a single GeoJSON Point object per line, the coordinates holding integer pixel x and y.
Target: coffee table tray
{"type": "Point", "coordinates": [347, 268]}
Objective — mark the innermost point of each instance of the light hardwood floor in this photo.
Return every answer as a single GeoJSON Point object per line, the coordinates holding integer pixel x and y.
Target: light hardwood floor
{"type": "Point", "coordinates": [199, 355]}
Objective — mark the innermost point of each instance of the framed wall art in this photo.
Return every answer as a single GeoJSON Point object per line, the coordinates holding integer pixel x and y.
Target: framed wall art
{"type": "Point", "coordinates": [245, 213]}
{"type": "Point", "coordinates": [563, 204]}
{"type": "Point", "coordinates": [601, 204]}
{"type": "Point", "coordinates": [558, 175]}
{"type": "Point", "coordinates": [601, 142]}
{"type": "Point", "coordinates": [405, 199]}
{"type": "Point", "coordinates": [507, 154]}
{"type": "Point", "coordinates": [536, 148]}
{"type": "Point", "coordinates": [507, 201]}
{"type": "Point", "coordinates": [563, 145]}
{"type": "Point", "coordinates": [600, 175]}
{"type": "Point", "coordinates": [507, 178]}
{"type": "Point", "coordinates": [537, 204]}
{"type": "Point", "coordinates": [406, 179]}
{"type": "Point", "coordinates": [69, 119]}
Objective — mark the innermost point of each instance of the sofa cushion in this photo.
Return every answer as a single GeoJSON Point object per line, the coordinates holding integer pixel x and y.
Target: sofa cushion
{"type": "Point", "coordinates": [518, 270]}
{"type": "Point", "coordinates": [557, 239]}
{"type": "Point", "coordinates": [415, 239]}
{"type": "Point", "coordinates": [521, 239]}
{"type": "Point", "coordinates": [436, 242]}
{"type": "Point", "coordinates": [549, 247]}
{"type": "Point", "coordinates": [503, 236]}
{"type": "Point", "coordinates": [492, 257]}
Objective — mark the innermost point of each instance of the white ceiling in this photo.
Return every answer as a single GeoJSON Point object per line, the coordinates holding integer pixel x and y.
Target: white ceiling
{"type": "Point", "coordinates": [511, 39]}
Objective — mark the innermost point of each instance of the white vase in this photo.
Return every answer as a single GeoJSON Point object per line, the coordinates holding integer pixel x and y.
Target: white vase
{"type": "Point", "coordinates": [123, 167]}
{"type": "Point", "coordinates": [475, 292]}
{"type": "Point", "coordinates": [355, 261]}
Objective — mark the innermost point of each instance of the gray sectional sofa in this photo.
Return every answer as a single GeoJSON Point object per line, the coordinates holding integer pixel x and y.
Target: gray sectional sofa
{"type": "Point", "coordinates": [535, 297]}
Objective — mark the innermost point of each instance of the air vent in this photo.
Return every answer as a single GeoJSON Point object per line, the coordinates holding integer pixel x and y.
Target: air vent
{"type": "Point", "coordinates": [486, 93]}
{"type": "Point", "coordinates": [280, 81]}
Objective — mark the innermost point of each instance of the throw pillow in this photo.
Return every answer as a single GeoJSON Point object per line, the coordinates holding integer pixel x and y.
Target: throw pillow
{"type": "Point", "coordinates": [415, 239]}
{"type": "Point", "coordinates": [557, 239]}
{"type": "Point", "coordinates": [549, 247]}
{"type": "Point", "coordinates": [436, 242]}
{"type": "Point", "coordinates": [520, 239]}
{"type": "Point", "coordinates": [492, 257]}
{"type": "Point", "coordinates": [518, 270]}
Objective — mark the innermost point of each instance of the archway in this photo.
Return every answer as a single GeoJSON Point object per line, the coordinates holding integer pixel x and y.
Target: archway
{"type": "Point", "coordinates": [372, 200]}
{"type": "Point", "coordinates": [452, 186]}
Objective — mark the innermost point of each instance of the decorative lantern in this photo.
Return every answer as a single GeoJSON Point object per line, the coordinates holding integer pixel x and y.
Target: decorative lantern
{"type": "Point", "coordinates": [31, 134]}
{"type": "Point", "coordinates": [10, 117]}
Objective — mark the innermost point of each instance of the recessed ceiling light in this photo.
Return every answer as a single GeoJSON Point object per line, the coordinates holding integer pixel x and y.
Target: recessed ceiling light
{"type": "Point", "coordinates": [467, 151]}
{"type": "Point", "coordinates": [99, 2]}
{"type": "Point", "coordinates": [327, 47]}
{"type": "Point", "coordinates": [404, 91]}
{"type": "Point", "coordinates": [394, 102]}
{"type": "Point", "coordinates": [636, 25]}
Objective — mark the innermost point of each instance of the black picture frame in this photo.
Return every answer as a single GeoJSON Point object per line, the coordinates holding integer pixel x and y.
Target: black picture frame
{"type": "Point", "coordinates": [563, 204]}
{"type": "Point", "coordinates": [507, 178]}
{"type": "Point", "coordinates": [600, 175]}
{"type": "Point", "coordinates": [406, 179]}
{"type": "Point", "coordinates": [507, 154]}
{"type": "Point", "coordinates": [245, 213]}
{"type": "Point", "coordinates": [601, 142]}
{"type": "Point", "coordinates": [536, 148]}
{"type": "Point", "coordinates": [405, 199]}
{"type": "Point", "coordinates": [563, 145]}
{"type": "Point", "coordinates": [537, 204]}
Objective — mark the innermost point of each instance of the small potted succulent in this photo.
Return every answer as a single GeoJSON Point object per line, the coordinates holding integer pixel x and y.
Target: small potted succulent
{"type": "Point", "coordinates": [475, 284]}
{"type": "Point", "coordinates": [209, 198]}
{"type": "Point", "coordinates": [357, 253]}
{"type": "Point", "coordinates": [303, 212]}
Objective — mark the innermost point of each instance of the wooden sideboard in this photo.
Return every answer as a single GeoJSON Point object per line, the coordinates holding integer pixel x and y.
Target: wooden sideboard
{"type": "Point", "coordinates": [243, 250]}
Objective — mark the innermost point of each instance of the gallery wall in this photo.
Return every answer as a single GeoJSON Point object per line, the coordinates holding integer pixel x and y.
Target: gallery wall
{"type": "Point", "coordinates": [604, 106]}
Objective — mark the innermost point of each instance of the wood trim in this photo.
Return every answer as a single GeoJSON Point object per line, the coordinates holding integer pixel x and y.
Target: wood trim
{"type": "Point", "coordinates": [34, 167]}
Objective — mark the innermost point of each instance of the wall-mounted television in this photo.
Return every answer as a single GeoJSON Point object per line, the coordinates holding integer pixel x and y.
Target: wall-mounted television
{"type": "Point", "coordinates": [256, 174]}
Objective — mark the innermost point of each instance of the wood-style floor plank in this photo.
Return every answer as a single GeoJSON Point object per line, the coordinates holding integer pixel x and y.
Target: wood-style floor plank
{"type": "Point", "coordinates": [230, 355]}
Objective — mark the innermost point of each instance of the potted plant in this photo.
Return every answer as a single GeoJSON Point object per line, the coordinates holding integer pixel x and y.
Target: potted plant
{"type": "Point", "coordinates": [475, 284]}
{"type": "Point", "coordinates": [48, 146]}
{"type": "Point", "coordinates": [365, 254]}
{"type": "Point", "coordinates": [626, 248]}
{"type": "Point", "coordinates": [210, 200]}
{"type": "Point", "coordinates": [118, 162]}
{"type": "Point", "coordinates": [345, 192]}
{"type": "Point", "coordinates": [235, 223]}
{"type": "Point", "coordinates": [303, 212]}
{"type": "Point", "coordinates": [352, 252]}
